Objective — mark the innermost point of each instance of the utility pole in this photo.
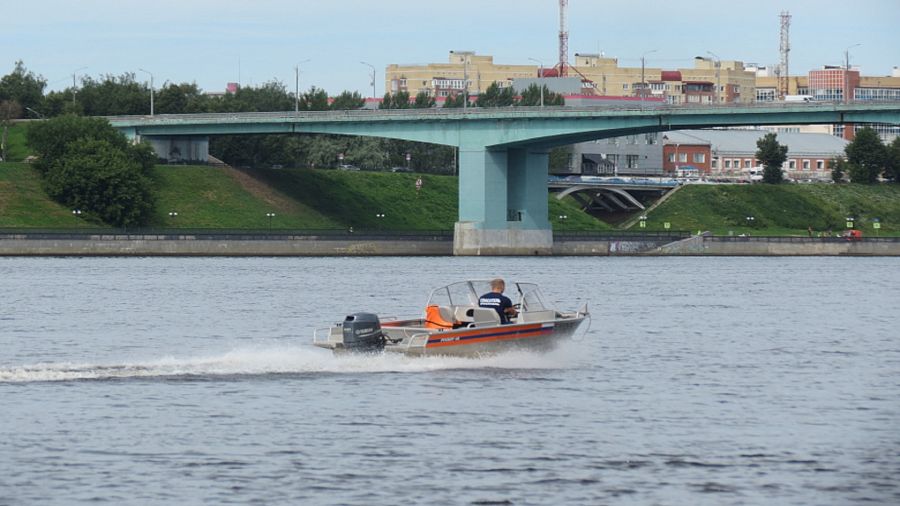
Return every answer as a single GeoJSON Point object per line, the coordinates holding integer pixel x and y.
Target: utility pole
{"type": "Point", "coordinates": [151, 89]}
{"type": "Point", "coordinates": [718, 84]}
{"type": "Point", "coordinates": [297, 86]}
{"type": "Point", "coordinates": [465, 81]}
{"type": "Point", "coordinates": [846, 92]}
{"type": "Point", "coordinates": [643, 82]}
{"type": "Point", "coordinates": [74, 85]}
{"type": "Point", "coordinates": [563, 39]}
{"type": "Point", "coordinates": [540, 80]}
{"type": "Point", "coordinates": [373, 78]}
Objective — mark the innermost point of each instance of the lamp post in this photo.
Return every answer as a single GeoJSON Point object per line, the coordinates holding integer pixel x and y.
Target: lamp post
{"type": "Point", "coordinates": [373, 77]}
{"type": "Point", "coordinates": [643, 223]}
{"type": "Point", "coordinates": [847, 71]}
{"type": "Point", "coordinates": [718, 70]}
{"type": "Point", "coordinates": [270, 216]}
{"type": "Point", "coordinates": [173, 215]}
{"type": "Point", "coordinates": [379, 217]}
{"type": "Point", "coordinates": [39, 115]}
{"type": "Point", "coordinates": [750, 220]}
{"type": "Point", "coordinates": [297, 86]}
{"type": "Point", "coordinates": [540, 78]}
{"type": "Point", "coordinates": [643, 88]}
{"type": "Point", "coordinates": [850, 221]}
{"type": "Point", "coordinates": [76, 213]}
{"type": "Point", "coordinates": [74, 85]}
{"type": "Point", "coordinates": [151, 89]}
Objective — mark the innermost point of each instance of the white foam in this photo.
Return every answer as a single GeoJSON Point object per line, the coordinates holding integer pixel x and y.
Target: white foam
{"type": "Point", "coordinates": [277, 360]}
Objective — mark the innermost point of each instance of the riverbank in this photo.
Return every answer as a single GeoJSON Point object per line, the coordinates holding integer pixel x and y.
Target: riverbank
{"type": "Point", "coordinates": [436, 244]}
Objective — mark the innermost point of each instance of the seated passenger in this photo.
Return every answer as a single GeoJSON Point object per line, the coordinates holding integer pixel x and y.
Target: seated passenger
{"type": "Point", "coordinates": [498, 302]}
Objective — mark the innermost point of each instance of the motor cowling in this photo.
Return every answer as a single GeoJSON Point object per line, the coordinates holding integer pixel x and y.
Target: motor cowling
{"type": "Point", "coordinates": [362, 332]}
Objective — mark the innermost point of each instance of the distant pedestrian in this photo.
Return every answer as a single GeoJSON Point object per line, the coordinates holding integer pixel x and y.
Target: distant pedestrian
{"type": "Point", "coordinates": [810, 231]}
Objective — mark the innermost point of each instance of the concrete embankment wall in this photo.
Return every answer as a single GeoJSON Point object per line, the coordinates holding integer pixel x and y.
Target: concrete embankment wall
{"type": "Point", "coordinates": [129, 245]}
{"type": "Point", "coordinates": [779, 246]}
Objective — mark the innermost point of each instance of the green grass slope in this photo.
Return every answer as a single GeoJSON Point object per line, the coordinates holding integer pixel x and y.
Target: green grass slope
{"type": "Point", "coordinates": [222, 198]}
{"type": "Point", "coordinates": [23, 202]}
{"type": "Point", "coordinates": [779, 209]}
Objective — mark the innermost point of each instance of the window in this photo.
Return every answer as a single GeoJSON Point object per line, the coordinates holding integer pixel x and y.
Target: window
{"type": "Point", "coordinates": [631, 161]}
{"type": "Point", "coordinates": [682, 157]}
{"type": "Point", "coordinates": [728, 163]}
{"type": "Point", "coordinates": [625, 86]}
{"type": "Point", "coordinates": [748, 163]}
{"type": "Point", "coordinates": [714, 163]}
{"type": "Point", "coordinates": [699, 157]}
{"type": "Point", "coordinates": [671, 157]}
{"type": "Point", "coordinates": [820, 164]}
{"type": "Point", "coordinates": [805, 164]}
{"type": "Point", "coordinates": [792, 164]}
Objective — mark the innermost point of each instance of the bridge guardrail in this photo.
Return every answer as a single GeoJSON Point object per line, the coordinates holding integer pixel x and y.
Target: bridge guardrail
{"type": "Point", "coordinates": [578, 235]}
{"type": "Point", "coordinates": [796, 239]}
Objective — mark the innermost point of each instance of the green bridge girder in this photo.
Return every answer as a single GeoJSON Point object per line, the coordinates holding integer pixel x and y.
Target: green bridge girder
{"type": "Point", "coordinates": [504, 152]}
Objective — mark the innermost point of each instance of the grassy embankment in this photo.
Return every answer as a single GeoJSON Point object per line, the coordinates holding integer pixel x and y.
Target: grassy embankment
{"type": "Point", "coordinates": [787, 209]}
{"type": "Point", "coordinates": [209, 197]}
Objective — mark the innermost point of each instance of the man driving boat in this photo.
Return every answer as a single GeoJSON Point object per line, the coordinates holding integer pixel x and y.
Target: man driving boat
{"type": "Point", "coordinates": [498, 302]}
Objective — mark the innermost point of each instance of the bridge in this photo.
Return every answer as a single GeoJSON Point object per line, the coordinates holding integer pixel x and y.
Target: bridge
{"type": "Point", "coordinates": [504, 152]}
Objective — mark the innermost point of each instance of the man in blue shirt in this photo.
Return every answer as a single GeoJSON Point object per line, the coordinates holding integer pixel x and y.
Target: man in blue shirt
{"type": "Point", "coordinates": [497, 301]}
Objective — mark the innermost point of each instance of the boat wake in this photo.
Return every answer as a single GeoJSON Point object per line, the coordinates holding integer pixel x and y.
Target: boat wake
{"type": "Point", "coordinates": [276, 360]}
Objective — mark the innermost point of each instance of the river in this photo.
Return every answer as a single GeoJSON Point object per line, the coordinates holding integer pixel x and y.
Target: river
{"type": "Point", "coordinates": [734, 380]}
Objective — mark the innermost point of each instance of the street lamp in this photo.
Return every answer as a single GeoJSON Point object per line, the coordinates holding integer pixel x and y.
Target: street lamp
{"type": "Point", "coordinates": [270, 216]}
{"type": "Point", "coordinates": [718, 70]}
{"type": "Point", "coordinates": [151, 89]}
{"type": "Point", "coordinates": [379, 217]}
{"type": "Point", "coordinates": [847, 71]}
{"type": "Point", "coordinates": [540, 78]}
{"type": "Point", "coordinates": [850, 221]}
{"type": "Point", "coordinates": [750, 220]}
{"type": "Point", "coordinates": [39, 115]}
{"type": "Point", "coordinates": [173, 215]}
{"type": "Point", "coordinates": [643, 85]}
{"type": "Point", "coordinates": [297, 86]}
{"type": "Point", "coordinates": [75, 86]}
{"type": "Point", "coordinates": [76, 212]}
{"type": "Point", "coordinates": [373, 77]}
{"type": "Point", "coordinates": [643, 223]}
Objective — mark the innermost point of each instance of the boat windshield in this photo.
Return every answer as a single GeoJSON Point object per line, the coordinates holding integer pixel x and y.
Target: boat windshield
{"type": "Point", "coordinates": [466, 293]}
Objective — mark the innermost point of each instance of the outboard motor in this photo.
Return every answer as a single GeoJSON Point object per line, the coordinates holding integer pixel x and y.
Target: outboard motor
{"type": "Point", "coordinates": [362, 332]}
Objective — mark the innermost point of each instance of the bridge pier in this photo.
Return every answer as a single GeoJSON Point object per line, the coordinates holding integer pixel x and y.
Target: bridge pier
{"type": "Point", "coordinates": [503, 202]}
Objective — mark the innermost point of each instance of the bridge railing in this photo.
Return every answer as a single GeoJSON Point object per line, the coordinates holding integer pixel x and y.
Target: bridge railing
{"type": "Point", "coordinates": [620, 235]}
{"type": "Point", "coordinates": [489, 111]}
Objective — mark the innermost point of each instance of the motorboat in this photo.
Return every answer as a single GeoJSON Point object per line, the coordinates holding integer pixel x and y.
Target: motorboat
{"type": "Point", "coordinates": [454, 324]}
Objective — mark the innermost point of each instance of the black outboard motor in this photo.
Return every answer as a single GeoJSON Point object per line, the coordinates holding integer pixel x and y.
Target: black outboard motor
{"type": "Point", "coordinates": [362, 332]}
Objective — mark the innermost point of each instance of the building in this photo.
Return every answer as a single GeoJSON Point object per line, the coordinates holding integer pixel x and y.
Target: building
{"type": "Point", "coordinates": [709, 81]}
{"type": "Point", "coordinates": [731, 154]}
{"type": "Point", "coordinates": [836, 84]}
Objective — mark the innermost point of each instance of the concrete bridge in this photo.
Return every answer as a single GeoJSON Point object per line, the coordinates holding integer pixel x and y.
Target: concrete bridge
{"type": "Point", "coordinates": [504, 152]}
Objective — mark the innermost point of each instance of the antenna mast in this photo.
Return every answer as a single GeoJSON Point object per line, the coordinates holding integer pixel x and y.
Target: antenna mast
{"type": "Point", "coordinates": [563, 39]}
{"type": "Point", "coordinates": [784, 48]}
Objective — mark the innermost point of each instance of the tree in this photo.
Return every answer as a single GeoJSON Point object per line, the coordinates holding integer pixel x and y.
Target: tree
{"type": "Point", "coordinates": [316, 99]}
{"type": "Point", "coordinates": [838, 169]}
{"type": "Point", "coordinates": [893, 160]}
{"type": "Point", "coordinates": [423, 101]}
{"type": "Point", "coordinates": [454, 101]}
{"type": "Point", "coordinates": [532, 96]}
{"type": "Point", "coordinates": [348, 101]}
{"type": "Point", "coordinates": [867, 156]}
{"type": "Point", "coordinates": [183, 98]}
{"type": "Point", "coordinates": [23, 87]}
{"type": "Point", "coordinates": [399, 100]}
{"type": "Point", "coordinates": [9, 110]}
{"type": "Point", "coordinates": [86, 164]}
{"type": "Point", "coordinates": [494, 96]}
{"type": "Point", "coordinates": [772, 155]}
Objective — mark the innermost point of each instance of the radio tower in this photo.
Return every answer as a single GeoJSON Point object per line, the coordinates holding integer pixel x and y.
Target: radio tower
{"type": "Point", "coordinates": [563, 39]}
{"type": "Point", "coordinates": [784, 48]}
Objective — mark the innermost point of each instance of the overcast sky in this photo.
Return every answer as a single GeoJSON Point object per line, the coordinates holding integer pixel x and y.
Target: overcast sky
{"type": "Point", "coordinates": [212, 42]}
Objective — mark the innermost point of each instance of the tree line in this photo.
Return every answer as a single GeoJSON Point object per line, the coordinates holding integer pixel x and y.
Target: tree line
{"type": "Point", "coordinates": [867, 159]}
{"type": "Point", "coordinates": [22, 96]}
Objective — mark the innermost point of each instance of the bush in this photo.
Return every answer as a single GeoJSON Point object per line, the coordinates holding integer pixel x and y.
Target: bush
{"type": "Point", "coordinates": [87, 165]}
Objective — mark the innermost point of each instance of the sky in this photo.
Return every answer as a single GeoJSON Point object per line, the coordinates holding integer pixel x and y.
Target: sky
{"type": "Point", "coordinates": [212, 42]}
